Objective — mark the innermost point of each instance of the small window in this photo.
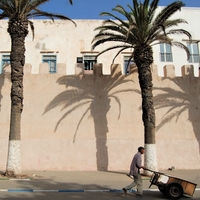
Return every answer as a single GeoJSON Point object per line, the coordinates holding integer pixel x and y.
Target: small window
{"type": "Point", "coordinates": [4, 61]}
{"type": "Point", "coordinates": [194, 52]}
{"type": "Point", "coordinates": [51, 60]}
{"type": "Point", "coordinates": [126, 66]}
{"type": "Point", "coordinates": [79, 60]}
{"type": "Point", "coordinates": [89, 61]}
{"type": "Point", "coordinates": [165, 53]}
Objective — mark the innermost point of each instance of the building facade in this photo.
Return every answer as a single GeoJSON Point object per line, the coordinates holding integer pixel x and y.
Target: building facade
{"type": "Point", "coordinates": [82, 113]}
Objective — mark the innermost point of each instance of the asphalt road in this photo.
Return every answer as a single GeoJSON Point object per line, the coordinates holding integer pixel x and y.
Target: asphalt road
{"type": "Point", "coordinates": [148, 195]}
{"type": "Point", "coordinates": [86, 185]}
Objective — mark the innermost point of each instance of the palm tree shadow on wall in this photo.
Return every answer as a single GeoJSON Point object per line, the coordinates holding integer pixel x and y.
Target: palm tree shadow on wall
{"type": "Point", "coordinates": [184, 99]}
{"type": "Point", "coordinates": [96, 91]}
{"type": "Point", "coordinates": [3, 76]}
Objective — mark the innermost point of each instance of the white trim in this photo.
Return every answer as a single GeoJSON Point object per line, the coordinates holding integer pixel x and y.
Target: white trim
{"type": "Point", "coordinates": [150, 157]}
{"type": "Point", "coordinates": [14, 156]}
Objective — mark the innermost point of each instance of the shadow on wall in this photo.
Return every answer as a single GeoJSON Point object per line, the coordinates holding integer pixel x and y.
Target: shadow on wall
{"type": "Point", "coordinates": [3, 76]}
{"type": "Point", "coordinates": [95, 91]}
{"type": "Point", "coordinates": [184, 99]}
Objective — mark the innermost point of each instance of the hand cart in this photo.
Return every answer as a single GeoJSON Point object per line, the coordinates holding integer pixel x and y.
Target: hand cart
{"type": "Point", "coordinates": [172, 187]}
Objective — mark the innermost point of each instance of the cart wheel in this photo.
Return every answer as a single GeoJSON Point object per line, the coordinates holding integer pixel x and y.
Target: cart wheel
{"type": "Point", "coordinates": [162, 189]}
{"type": "Point", "coordinates": [174, 191]}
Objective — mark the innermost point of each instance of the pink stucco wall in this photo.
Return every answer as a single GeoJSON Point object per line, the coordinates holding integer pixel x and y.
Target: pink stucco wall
{"type": "Point", "coordinates": [94, 121]}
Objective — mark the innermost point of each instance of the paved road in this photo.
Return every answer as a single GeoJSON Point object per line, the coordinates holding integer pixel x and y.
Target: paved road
{"type": "Point", "coordinates": [85, 185]}
{"type": "Point", "coordinates": [86, 196]}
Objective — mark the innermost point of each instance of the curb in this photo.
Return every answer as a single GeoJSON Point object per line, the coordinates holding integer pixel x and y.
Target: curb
{"type": "Point", "coordinates": [73, 191]}
{"type": "Point", "coordinates": [62, 191]}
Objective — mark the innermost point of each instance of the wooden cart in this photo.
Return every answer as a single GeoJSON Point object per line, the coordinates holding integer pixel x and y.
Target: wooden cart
{"type": "Point", "coordinates": [171, 186]}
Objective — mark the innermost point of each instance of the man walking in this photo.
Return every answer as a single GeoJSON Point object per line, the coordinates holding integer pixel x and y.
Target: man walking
{"type": "Point", "coordinates": [135, 167]}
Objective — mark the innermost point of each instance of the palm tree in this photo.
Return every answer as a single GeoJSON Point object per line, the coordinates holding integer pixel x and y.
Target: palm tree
{"type": "Point", "coordinates": [142, 29]}
{"type": "Point", "coordinates": [18, 13]}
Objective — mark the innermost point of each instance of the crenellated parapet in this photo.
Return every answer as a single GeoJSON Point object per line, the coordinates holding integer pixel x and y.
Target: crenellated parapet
{"type": "Point", "coordinates": [98, 69]}
{"type": "Point", "coordinates": [171, 70]}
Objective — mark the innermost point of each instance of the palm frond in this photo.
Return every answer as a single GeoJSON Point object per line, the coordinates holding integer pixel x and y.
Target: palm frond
{"type": "Point", "coordinates": [182, 46]}
{"type": "Point", "coordinates": [4, 15]}
{"type": "Point", "coordinates": [32, 28]}
{"type": "Point", "coordinates": [52, 16]}
{"type": "Point", "coordinates": [126, 29]}
{"type": "Point", "coordinates": [164, 15]}
{"type": "Point", "coordinates": [167, 12]}
{"type": "Point", "coordinates": [129, 61]}
{"type": "Point", "coordinates": [135, 9]}
{"type": "Point", "coordinates": [121, 10]}
{"type": "Point", "coordinates": [107, 37]}
{"type": "Point", "coordinates": [114, 47]}
{"type": "Point", "coordinates": [114, 16]}
{"type": "Point", "coordinates": [122, 49]}
{"type": "Point", "coordinates": [108, 22]}
{"type": "Point", "coordinates": [174, 22]}
{"type": "Point", "coordinates": [70, 1]}
{"type": "Point", "coordinates": [152, 9]}
{"type": "Point", "coordinates": [180, 31]}
{"type": "Point", "coordinates": [112, 29]}
{"type": "Point", "coordinates": [7, 8]}
{"type": "Point", "coordinates": [23, 9]}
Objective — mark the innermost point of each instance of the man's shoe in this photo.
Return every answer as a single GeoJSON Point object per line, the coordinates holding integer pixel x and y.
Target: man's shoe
{"type": "Point", "coordinates": [125, 191]}
{"type": "Point", "coordinates": [139, 195]}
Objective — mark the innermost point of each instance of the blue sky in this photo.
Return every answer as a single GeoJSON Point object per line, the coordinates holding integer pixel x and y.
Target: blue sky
{"type": "Point", "coordinates": [90, 9]}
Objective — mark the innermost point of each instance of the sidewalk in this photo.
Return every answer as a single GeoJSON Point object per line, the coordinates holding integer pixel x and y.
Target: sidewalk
{"type": "Point", "coordinates": [90, 179]}
{"type": "Point", "coordinates": [80, 181]}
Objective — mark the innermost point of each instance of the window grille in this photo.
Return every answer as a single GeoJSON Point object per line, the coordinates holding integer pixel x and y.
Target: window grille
{"type": "Point", "coordinates": [4, 61]}
{"type": "Point", "coordinates": [89, 62]}
{"type": "Point", "coordinates": [165, 53]}
{"type": "Point", "coordinates": [194, 52]}
{"type": "Point", "coordinates": [51, 60]}
{"type": "Point", "coordinates": [126, 66]}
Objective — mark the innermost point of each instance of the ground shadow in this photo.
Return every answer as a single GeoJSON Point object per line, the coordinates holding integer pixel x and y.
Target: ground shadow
{"type": "Point", "coordinates": [52, 188]}
{"type": "Point", "coordinates": [47, 189]}
{"type": "Point", "coordinates": [49, 185]}
{"type": "Point", "coordinates": [95, 91]}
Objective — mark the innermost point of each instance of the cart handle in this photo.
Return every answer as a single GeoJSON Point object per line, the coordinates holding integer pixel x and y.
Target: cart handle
{"type": "Point", "coordinates": [153, 171]}
{"type": "Point", "coordinates": [149, 170]}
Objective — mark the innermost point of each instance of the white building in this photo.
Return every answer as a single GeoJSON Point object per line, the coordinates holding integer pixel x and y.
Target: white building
{"type": "Point", "coordinates": [63, 43]}
{"type": "Point", "coordinates": [68, 137]}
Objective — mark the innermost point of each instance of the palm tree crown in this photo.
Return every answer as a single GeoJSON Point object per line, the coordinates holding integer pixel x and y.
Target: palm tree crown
{"type": "Point", "coordinates": [141, 26]}
{"type": "Point", "coordinates": [24, 9]}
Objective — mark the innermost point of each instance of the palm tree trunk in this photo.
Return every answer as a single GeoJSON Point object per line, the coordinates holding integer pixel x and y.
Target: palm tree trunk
{"type": "Point", "coordinates": [144, 58]}
{"type": "Point", "coordinates": [18, 30]}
